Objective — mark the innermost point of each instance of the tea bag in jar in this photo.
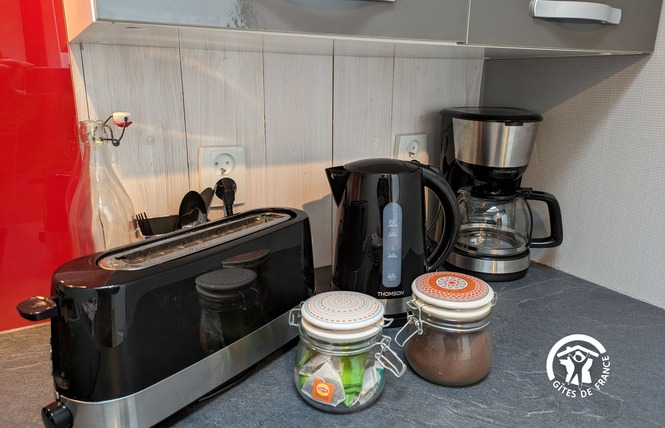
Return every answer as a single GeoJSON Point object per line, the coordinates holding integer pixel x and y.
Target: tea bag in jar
{"type": "Point", "coordinates": [326, 376]}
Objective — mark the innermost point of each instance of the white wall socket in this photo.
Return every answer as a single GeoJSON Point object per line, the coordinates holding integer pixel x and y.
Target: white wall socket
{"type": "Point", "coordinates": [218, 162]}
{"type": "Point", "coordinates": [411, 147]}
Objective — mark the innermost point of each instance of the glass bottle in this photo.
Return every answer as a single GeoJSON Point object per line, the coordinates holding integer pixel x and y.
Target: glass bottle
{"type": "Point", "coordinates": [101, 213]}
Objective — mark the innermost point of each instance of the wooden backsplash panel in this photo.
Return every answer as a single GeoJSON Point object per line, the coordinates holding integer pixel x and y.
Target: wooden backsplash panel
{"type": "Point", "coordinates": [363, 108]}
{"type": "Point", "coordinates": [298, 99]}
{"type": "Point", "coordinates": [223, 99]}
{"type": "Point", "coordinates": [151, 159]}
{"type": "Point", "coordinates": [78, 82]}
{"type": "Point", "coordinates": [294, 114]}
{"type": "Point", "coordinates": [423, 87]}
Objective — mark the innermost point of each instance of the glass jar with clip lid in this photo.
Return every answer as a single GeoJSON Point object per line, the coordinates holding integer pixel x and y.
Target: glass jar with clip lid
{"type": "Point", "coordinates": [342, 353]}
{"type": "Point", "coordinates": [448, 338]}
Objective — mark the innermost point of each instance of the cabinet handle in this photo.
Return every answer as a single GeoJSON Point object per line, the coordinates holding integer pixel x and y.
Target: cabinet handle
{"type": "Point", "coordinates": [546, 9]}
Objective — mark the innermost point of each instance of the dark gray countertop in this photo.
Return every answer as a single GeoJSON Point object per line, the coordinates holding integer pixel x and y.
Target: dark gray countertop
{"type": "Point", "coordinates": [531, 315]}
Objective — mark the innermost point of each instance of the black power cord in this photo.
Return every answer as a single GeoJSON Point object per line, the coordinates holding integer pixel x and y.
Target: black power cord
{"type": "Point", "coordinates": [225, 189]}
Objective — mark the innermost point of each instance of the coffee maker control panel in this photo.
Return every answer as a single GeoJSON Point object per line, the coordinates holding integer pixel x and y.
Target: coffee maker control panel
{"type": "Point", "coordinates": [392, 245]}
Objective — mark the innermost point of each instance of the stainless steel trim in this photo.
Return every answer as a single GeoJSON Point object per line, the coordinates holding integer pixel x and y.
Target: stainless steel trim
{"type": "Point", "coordinates": [394, 306]}
{"type": "Point", "coordinates": [153, 252]}
{"type": "Point", "coordinates": [153, 404]}
{"type": "Point", "coordinates": [487, 265]}
{"type": "Point", "coordinates": [471, 239]}
{"type": "Point", "coordinates": [494, 144]}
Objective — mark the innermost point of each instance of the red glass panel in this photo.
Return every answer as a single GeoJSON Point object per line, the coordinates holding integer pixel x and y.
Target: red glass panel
{"type": "Point", "coordinates": [38, 151]}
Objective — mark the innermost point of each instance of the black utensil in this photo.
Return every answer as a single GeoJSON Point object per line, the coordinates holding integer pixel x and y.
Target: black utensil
{"type": "Point", "coordinates": [144, 224]}
{"type": "Point", "coordinates": [192, 211]}
{"type": "Point", "coordinates": [207, 196]}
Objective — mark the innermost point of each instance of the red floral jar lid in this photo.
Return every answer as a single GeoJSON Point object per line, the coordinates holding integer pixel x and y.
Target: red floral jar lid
{"type": "Point", "coordinates": [452, 290]}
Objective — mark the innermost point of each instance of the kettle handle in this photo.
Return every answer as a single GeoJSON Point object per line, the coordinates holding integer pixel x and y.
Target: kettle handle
{"type": "Point", "coordinates": [554, 210]}
{"type": "Point", "coordinates": [434, 181]}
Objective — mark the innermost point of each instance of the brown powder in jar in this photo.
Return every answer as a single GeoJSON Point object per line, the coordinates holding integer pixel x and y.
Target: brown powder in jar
{"type": "Point", "coordinates": [448, 358]}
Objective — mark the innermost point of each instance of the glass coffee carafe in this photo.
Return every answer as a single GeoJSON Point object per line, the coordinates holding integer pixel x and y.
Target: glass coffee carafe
{"type": "Point", "coordinates": [498, 225]}
{"type": "Point", "coordinates": [493, 225]}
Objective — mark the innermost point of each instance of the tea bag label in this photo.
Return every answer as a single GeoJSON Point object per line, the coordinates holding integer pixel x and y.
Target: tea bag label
{"type": "Point", "coordinates": [323, 391]}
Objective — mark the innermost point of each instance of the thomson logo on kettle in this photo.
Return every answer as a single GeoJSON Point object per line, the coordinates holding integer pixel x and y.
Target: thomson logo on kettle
{"type": "Point", "coordinates": [390, 293]}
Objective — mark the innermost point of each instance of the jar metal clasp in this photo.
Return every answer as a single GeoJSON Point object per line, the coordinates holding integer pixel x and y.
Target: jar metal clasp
{"type": "Point", "coordinates": [293, 315]}
{"type": "Point", "coordinates": [413, 317]}
{"type": "Point", "coordinates": [386, 362]}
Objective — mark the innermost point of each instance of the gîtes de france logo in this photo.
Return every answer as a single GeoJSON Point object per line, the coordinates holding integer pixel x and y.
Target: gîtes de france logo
{"type": "Point", "coordinates": [578, 365]}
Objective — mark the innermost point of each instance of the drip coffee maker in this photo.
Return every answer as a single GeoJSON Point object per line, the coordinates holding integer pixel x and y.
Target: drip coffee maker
{"type": "Point", "coordinates": [486, 151]}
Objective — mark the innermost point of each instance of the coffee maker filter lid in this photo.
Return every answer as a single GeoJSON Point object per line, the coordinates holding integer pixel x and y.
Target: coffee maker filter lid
{"type": "Point", "coordinates": [453, 291]}
{"type": "Point", "coordinates": [343, 315]}
{"type": "Point", "coordinates": [493, 114]}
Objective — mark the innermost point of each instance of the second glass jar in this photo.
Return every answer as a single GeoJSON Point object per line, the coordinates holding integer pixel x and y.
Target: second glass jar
{"type": "Point", "coordinates": [448, 340]}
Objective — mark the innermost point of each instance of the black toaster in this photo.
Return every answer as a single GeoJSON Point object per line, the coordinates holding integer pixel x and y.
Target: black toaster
{"type": "Point", "coordinates": [140, 331]}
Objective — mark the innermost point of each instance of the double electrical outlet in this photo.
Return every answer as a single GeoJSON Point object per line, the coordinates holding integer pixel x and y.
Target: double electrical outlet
{"type": "Point", "coordinates": [218, 162]}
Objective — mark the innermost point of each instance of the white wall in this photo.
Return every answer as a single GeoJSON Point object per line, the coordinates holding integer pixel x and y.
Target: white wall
{"type": "Point", "coordinates": [601, 151]}
{"type": "Point", "coordinates": [295, 115]}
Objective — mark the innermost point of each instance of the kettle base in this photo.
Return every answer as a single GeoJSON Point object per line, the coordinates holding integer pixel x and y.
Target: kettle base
{"type": "Point", "coordinates": [490, 269]}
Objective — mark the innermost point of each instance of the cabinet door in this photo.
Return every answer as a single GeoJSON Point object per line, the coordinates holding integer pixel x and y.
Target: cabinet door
{"type": "Point", "coordinates": [401, 19]}
{"type": "Point", "coordinates": [509, 23]}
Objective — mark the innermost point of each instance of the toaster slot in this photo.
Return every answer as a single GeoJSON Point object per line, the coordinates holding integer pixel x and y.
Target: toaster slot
{"type": "Point", "coordinates": [159, 250]}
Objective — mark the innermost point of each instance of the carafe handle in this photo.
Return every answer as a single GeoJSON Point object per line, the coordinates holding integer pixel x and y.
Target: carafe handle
{"type": "Point", "coordinates": [554, 211]}
{"type": "Point", "coordinates": [434, 181]}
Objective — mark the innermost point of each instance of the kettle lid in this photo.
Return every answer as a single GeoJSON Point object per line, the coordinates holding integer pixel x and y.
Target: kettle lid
{"type": "Point", "coordinates": [381, 166]}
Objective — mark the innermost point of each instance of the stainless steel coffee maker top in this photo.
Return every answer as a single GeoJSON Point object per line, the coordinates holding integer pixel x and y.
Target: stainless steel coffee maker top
{"type": "Point", "coordinates": [494, 144]}
{"type": "Point", "coordinates": [494, 137]}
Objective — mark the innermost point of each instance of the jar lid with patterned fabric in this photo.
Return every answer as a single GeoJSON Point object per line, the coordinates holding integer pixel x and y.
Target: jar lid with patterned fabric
{"type": "Point", "coordinates": [342, 316]}
{"type": "Point", "coordinates": [453, 295]}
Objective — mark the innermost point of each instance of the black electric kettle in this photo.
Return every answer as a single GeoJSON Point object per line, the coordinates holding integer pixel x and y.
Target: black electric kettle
{"type": "Point", "coordinates": [380, 238]}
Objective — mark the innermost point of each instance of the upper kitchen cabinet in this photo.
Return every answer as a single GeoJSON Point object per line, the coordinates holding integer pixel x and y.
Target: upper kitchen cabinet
{"type": "Point", "coordinates": [490, 28]}
{"type": "Point", "coordinates": [621, 26]}
{"type": "Point", "coordinates": [440, 20]}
